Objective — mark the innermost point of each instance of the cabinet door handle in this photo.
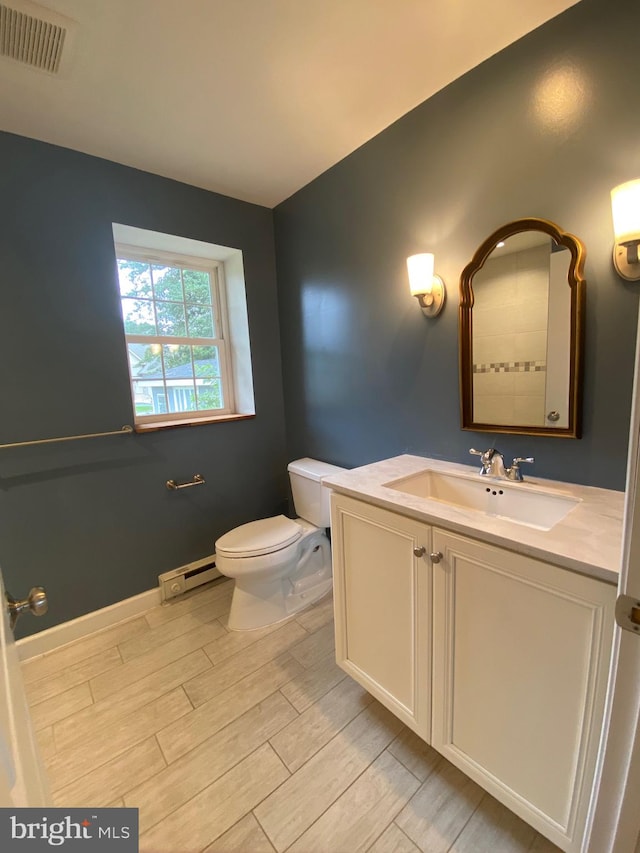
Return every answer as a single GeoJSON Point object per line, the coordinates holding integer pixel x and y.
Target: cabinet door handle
{"type": "Point", "coordinates": [436, 556]}
{"type": "Point", "coordinates": [419, 552]}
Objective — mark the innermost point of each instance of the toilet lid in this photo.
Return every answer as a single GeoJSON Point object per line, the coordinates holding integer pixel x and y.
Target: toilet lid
{"type": "Point", "coordinates": [259, 537]}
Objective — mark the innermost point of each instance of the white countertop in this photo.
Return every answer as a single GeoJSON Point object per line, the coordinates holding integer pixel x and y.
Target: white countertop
{"type": "Point", "coordinates": [588, 540]}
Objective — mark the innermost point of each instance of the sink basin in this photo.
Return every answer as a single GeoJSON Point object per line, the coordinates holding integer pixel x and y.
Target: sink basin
{"type": "Point", "coordinates": [517, 502]}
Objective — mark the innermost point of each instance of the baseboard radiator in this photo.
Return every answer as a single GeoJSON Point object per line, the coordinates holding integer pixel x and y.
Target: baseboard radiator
{"type": "Point", "coordinates": [187, 577]}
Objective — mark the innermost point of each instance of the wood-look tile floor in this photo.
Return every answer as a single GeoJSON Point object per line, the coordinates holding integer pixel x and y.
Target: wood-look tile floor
{"type": "Point", "coordinates": [248, 742]}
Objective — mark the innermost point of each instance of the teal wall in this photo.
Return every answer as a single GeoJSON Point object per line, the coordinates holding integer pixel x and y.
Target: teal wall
{"type": "Point", "coordinates": [92, 521]}
{"type": "Point", "coordinates": [339, 340]}
{"type": "Point", "coordinates": [545, 128]}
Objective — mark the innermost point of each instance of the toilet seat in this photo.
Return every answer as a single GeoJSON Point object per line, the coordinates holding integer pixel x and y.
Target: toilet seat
{"type": "Point", "coordinates": [265, 536]}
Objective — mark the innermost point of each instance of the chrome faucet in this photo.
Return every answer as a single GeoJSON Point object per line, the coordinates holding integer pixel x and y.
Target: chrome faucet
{"type": "Point", "coordinates": [492, 462]}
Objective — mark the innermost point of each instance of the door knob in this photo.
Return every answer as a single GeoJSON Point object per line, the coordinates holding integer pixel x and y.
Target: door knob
{"type": "Point", "coordinates": [436, 556]}
{"type": "Point", "coordinates": [36, 602]}
{"type": "Point", "coordinates": [419, 552]}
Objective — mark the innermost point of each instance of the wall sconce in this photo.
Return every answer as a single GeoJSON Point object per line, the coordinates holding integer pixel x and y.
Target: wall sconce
{"type": "Point", "coordinates": [424, 285]}
{"type": "Point", "coordinates": [625, 206]}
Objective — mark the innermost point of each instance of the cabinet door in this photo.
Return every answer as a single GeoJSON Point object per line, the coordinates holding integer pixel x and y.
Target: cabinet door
{"type": "Point", "coordinates": [521, 656]}
{"type": "Point", "coordinates": [382, 606]}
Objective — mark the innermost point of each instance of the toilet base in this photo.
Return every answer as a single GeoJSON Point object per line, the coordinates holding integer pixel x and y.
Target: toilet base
{"type": "Point", "coordinates": [260, 603]}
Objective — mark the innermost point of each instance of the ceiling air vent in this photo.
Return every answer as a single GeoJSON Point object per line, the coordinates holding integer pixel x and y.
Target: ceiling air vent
{"type": "Point", "coordinates": [33, 35]}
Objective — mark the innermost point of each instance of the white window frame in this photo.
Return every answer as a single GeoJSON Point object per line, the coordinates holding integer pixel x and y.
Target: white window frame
{"type": "Point", "coordinates": [215, 269]}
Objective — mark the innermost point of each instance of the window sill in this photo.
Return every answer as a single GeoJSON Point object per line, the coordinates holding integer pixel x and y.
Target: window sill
{"type": "Point", "coordinates": [155, 426]}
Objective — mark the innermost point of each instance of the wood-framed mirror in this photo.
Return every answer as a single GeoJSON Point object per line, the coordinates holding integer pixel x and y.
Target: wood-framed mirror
{"type": "Point", "coordinates": [521, 331]}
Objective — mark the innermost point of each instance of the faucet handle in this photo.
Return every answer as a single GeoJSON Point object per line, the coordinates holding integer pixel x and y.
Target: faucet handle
{"type": "Point", "coordinates": [474, 452]}
{"type": "Point", "coordinates": [514, 473]}
{"type": "Point", "coordinates": [486, 454]}
{"type": "Point", "coordinates": [491, 461]}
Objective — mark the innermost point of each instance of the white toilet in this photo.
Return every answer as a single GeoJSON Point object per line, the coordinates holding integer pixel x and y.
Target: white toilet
{"type": "Point", "coordinates": [281, 566]}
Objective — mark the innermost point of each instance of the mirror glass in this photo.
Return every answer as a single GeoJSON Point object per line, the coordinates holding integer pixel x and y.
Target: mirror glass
{"type": "Point", "coordinates": [521, 322]}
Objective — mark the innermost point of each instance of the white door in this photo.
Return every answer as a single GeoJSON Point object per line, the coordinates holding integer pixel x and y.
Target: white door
{"type": "Point", "coordinates": [557, 391]}
{"type": "Point", "coordinates": [615, 826]}
{"type": "Point", "coordinates": [382, 583]}
{"type": "Point", "coordinates": [515, 633]}
{"type": "Point", "coordinates": [22, 778]}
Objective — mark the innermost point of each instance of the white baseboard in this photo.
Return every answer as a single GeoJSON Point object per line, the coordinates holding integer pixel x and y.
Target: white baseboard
{"type": "Point", "coordinates": [59, 635]}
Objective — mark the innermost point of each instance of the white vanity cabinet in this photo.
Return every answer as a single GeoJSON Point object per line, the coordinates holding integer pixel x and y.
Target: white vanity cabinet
{"type": "Point", "coordinates": [521, 658]}
{"type": "Point", "coordinates": [520, 652]}
{"type": "Point", "coordinates": [382, 580]}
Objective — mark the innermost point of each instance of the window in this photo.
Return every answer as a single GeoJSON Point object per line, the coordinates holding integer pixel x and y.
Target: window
{"type": "Point", "coordinates": [186, 326]}
{"type": "Point", "coordinates": [173, 307]}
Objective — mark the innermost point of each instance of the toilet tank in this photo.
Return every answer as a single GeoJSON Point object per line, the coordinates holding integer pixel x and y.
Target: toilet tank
{"type": "Point", "coordinates": [311, 499]}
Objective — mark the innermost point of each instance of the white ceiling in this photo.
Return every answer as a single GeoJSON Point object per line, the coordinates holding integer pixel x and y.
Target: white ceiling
{"type": "Point", "coordinates": [251, 98]}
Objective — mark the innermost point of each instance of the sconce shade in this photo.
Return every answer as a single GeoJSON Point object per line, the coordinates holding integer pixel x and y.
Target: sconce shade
{"type": "Point", "coordinates": [420, 269]}
{"type": "Point", "coordinates": [428, 288]}
{"type": "Point", "coordinates": [625, 208]}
